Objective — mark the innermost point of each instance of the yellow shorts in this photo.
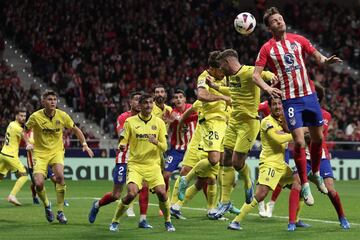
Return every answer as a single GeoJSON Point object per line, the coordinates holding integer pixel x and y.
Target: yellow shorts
{"type": "Point", "coordinates": [42, 161]}
{"type": "Point", "coordinates": [213, 132]}
{"type": "Point", "coordinates": [245, 133]}
{"type": "Point", "coordinates": [271, 176]}
{"type": "Point", "coordinates": [212, 172]}
{"type": "Point", "coordinates": [194, 151]}
{"type": "Point", "coordinates": [9, 163]}
{"type": "Point", "coordinates": [137, 174]}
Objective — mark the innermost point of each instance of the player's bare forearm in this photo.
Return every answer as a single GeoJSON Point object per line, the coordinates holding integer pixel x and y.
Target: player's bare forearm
{"type": "Point", "coordinates": [321, 59]}
{"type": "Point", "coordinates": [205, 96]}
{"type": "Point", "coordinates": [79, 134]}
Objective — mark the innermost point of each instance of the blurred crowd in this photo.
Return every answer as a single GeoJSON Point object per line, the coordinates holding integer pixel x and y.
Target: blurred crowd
{"type": "Point", "coordinates": [95, 52]}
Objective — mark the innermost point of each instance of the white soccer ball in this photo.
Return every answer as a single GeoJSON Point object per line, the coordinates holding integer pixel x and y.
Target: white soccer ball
{"type": "Point", "coordinates": [245, 23]}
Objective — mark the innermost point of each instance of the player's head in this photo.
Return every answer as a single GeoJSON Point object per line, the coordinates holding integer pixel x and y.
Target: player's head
{"type": "Point", "coordinates": [274, 21]}
{"type": "Point", "coordinates": [21, 115]}
{"type": "Point", "coordinates": [228, 59]}
{"type": "Point", "coordinates": [275, 105]}
{"type": "Point", "coordinates": [134, 101]}
{"type": "Point", "coordinates": [179, 98]}
{"type": "Point", "coordinates": [146, 102]}
{"type": "Point", "coordinates": [320, 92]}
{"type": "Point", "coordinates": [214, 65]}
{"type": "Point", "coordinates": [49, 99]}
{"type": "Point", "coordinates": [159, 94]}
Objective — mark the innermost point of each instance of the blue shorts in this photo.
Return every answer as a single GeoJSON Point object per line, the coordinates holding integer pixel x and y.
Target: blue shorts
{"type": "Point", "coordinates": [119, 174]}
{"type": "Point", "coordinates": [287, 155]}
{"type": "Point", "coordinates": [302, 112]}
{"type": "Point", "coordinates": [325, 168]}
{"type": "Point", "coordinates": [173, 159]}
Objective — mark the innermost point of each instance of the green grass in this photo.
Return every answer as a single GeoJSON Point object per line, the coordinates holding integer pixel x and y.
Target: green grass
{"type": "Point", "coordinates": [28, 221]}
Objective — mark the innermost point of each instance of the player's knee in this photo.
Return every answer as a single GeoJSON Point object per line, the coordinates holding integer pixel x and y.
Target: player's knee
{"type": "Point", "coordinates": [131, 195]}
{"type": "Point", "coordinates": [60, 179]}
{"type": "Point", "coordinates": [115, 195]}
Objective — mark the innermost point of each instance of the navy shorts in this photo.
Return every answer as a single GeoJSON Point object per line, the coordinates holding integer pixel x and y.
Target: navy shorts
{"type": "Point", "coordinates": [119, 174]}
{"type": "Point", "coordinates": [325, 168]}
{"type": "Point", "coordinates": [50, 173]}
{"type": "Point", "coordinates": [303, 112]}
{"type": "Point", "coordinates": [173, 159]}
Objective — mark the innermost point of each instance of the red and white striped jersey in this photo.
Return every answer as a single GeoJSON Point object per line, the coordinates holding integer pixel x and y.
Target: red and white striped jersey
{"type": "Point", "coordinates": [286, 58]}
{"type": "Point", "coordinates": [327, 119]}
{"type": "Point", "coordinates": [181, 142]}
{"type": "Point", "coordinates": [122, 157]}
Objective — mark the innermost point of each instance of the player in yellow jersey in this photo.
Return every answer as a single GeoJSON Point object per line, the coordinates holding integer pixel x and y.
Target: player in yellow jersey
{"type": "Point", "coordinates": [215, 106]}
{"type": "Point", "coordinates": [161, 110]}
{"type": "Point", "coordinates": [243, 126]}
{"type": "Point", "coordinates": [47, 125]}
{"type": "Point", "coordinates": [9, 155]}
{"type": "Point", "coordinates": [146, 136]}
{"type": "Point", "coordinates": [273, 169]}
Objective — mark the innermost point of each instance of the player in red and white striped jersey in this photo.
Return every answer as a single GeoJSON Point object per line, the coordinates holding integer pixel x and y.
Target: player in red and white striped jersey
{"type": "Point", "coordinates": [285, 55]}
{"type": "Point", "coordinates": [178, 139]}
{"type": "Point", "coordinates": [119, 175]}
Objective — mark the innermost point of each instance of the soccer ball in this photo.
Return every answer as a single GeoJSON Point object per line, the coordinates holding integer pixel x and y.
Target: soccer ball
{"type": "Point", "coordinates": [245, 23]}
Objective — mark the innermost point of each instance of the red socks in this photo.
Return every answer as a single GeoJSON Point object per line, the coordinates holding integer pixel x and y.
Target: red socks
{"type": "Point", "coordinates": [293, 204]}
{"type": "Point", "coordinates": [106, 199]}
{"type": "Point", "coordinates": [315, 153]}
{"type": "Point", "coordinates": [300, 161]}
{"type": "Point", "coordinates": [276, 193]}
{"type": "Point", "coordinates": [143, 200]}
{"type": "Point", "coordinates": [335, 199]}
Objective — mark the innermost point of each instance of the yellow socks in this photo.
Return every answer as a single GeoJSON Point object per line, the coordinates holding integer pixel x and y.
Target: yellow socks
{"type": "Point", "coordinates": [245, 209]}
{"type": "Point", "coordinates": [43, 197]}
{"type": "Point", "coordinates": [202, 166]}
{"type": "Point", "coordinates": [120, 209]}
{"type": "Point", "coordinates": [18, 185]}
{"type": "Point", "coordinates": [245, 175]}
{"type": "Point", "coordinates": [60, 196]}
{"type": "Point", "coordinates": [211, 196]}
{"type": "Point", "coordinates": [174, 196]}
{"type": "Point", "coordinates": [227, 183]}
{"type": "Point", "coordinates": [165, 208]}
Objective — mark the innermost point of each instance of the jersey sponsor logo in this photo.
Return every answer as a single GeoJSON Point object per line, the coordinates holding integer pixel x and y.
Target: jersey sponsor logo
{"type": "Point", "coordinates": [327, 174]}
{"type": "Point", "coordinates": [293, 46]}
{"type": "Point", "coordinates": [48, 130]}
{"type": "Point", "coordinates": [289, 58]}
{"type": "Point", "coordinates": [144, 135]}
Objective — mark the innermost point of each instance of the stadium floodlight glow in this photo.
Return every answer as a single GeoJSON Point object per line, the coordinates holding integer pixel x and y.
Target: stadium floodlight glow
{"type": "Point", "coordinates": [84, 121]}
{"type": "Point", "coordinates": [24, 70]}
{"type": "Point", "coordinates": [10, 47]}
{"type": "Point", "coordinates": [71, 110]}
{"type": "Point", "coordinates": [97, 132]}
{"type": "Point", "coordinates": [26, 60]}
{"type": "Point", "coordinates": [29, 75]}
{"type": "Point", "coordinates": [34, 80]}
{"type": "Point", "coordinates": [77, 116]}
{"type": "Point", "coordinates": [6, 42]}
{"type": "Point", "coordinates": [6, 60]}
{"type": "Point", "coordinates": [21, 56]}
{"type": "Point", "coordinates": [40, 85]}
{"type": "Point", "coordinates": [90, 126]}
{"type": "Point", "coordinates": [15, 51]}
{"type": "Point", "coordinates": [11, 65]}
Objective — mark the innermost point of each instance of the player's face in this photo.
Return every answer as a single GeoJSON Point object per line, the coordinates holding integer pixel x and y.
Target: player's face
{"type": "Point", "coordinates": [21, 117]}
{"type": "Point", "coordinates": [160, 95]}
{"type": "Point", "coordinates": [276, 107]}
{"type": "Point", "coordinates": [134, 103]}
{"type": "Point", "coordinates": [225, 67]}
{"type": "Point", "coordinates": [277, 24]}
{"type": "Point", "coordinates": [179, 99]}
{"type": "Point", "coordinates": [50, 102]}
{"type": "Point", "coordinates": [218, 73]}
{"type": "Point", "coordinates": [147, 106]}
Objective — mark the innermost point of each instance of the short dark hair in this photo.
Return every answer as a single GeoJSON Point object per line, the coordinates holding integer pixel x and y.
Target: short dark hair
{"type": "Point", "coordinates": [145, 96]}
{"type": "Point", "coordinates": [21, 110]}
{"type": "Point", "coordinates": [213, 59]}
{"type": "Point", "coordinates": [133, 94]}
{"type": "Point", "coordinates": [320, 91]}
{"type": "Point", "coordinates": [228, 53]}
{"type": "Point", "coordinates": [269, 12]}
{"type": "Point", "coordinates": [270, 99]}
{"type": "Point", "coordinates": [178, 90]}
{"type": "Point", "coordinates": [48, 92]}
{"type": "Point", "coordinates": [158, 86]}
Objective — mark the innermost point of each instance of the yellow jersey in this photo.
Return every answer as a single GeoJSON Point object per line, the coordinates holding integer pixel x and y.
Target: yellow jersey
{"type": "Point", "coordinates": [48, 132]}
{"type": "Point", "coordinates": [197, 106]}
{"type": "Point", "coordinates": [12, 139]}
{"type": "Point", "coordinates": [245, 95]}
{"type": "Point", "coordinates": [158, 112]}
{"type": "Point", "coordinates": [216, 109]}
{"type": "Point", "coordinates": [136, 133]}
{"type": "Point", "coordinates": [274, 142]}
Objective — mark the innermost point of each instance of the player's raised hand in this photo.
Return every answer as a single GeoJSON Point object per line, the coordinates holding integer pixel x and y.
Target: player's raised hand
{"type": "Point", "coordinates": [332, 59]}
{"type": "Point", "coordinates": [209, 81]}
{"type": "Point", "coordinates": [274, 81]}
{"type": "Point", "coordinates": [227, 99]}
{"type": "Point", "coordinates": [86, 148]}
{"type": "Point", "coordinates": [152, 139]}
{"type": "Point", "coordinates": [273, 92]}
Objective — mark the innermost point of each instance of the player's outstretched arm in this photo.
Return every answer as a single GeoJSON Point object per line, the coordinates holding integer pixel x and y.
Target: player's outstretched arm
{"type": "Point", "coordinates": [321, 59]}
{"type": "Point", "coordinates": [205, 96]}
{"type": "Point", "coordinates": [259, 81]}
{"type": "Point", "coordinates": [82, 140]}
{"type": "Point", "coordinates": [222, 89]}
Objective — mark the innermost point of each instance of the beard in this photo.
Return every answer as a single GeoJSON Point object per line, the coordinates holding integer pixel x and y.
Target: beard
{"type": "Point", "coordinates": [159, 99]}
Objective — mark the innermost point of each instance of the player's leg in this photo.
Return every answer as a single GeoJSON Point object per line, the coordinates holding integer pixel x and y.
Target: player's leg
{"type": "Point", "coordinates": [271, 204]}
{"type": "Point", "coordinates": [132, 191]}
{"type": "Point", "coordinates": [16, 165]}
{"type": "Point", "coordinates": [316, 134]}
{"type": "Point", "coordinates": [40, 171]}
{"type": "Point", "coordinates": [143, 204]}
{"type": "Point", "coordinates": [294, 199]}
{"type": "Point", "coordinates": [58, 169]}
{"type": "Point", "coordinates": [260, 194]}
{"type": "Point", "coordinates": [227, 176]}
{"type": "Point", "coordinates": [183, 172]}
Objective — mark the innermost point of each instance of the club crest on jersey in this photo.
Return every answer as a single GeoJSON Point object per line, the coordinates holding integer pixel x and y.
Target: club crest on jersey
{"type": "Point", "coordinates": [289, 58]}
{"type": "Point", "coordinates": [293, 46]}
{"type": "Point", "coordinates": [153, 127]}
{"type": "Point", "coordinates": [292, 121]}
